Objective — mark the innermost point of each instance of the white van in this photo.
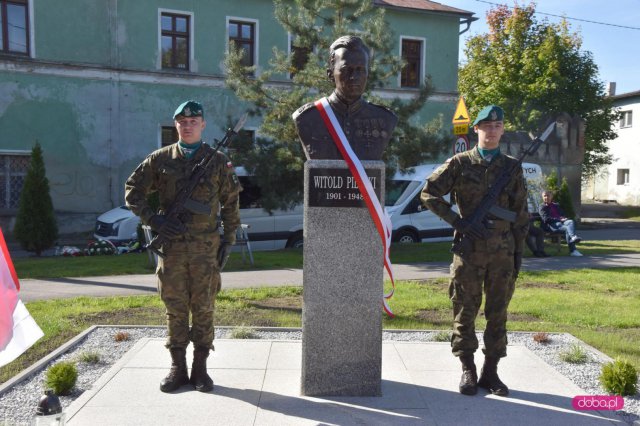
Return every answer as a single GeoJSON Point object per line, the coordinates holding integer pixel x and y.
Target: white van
{"type": "Point", "coordinates": [412, 223]}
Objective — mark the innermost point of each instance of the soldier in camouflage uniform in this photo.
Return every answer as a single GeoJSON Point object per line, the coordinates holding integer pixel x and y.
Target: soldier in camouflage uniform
{"type": "Point", "coordinates": [493, 262]}
{"type": "Point", "coordinates": [189, 275]}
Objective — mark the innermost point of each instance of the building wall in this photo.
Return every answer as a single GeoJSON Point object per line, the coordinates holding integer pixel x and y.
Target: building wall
{"type": "Point", "coordinates": [610, 185]}
{"type": "Point", "coordinates": [93, 93]}
{"type": "Point", "coordinates": [626, 155]}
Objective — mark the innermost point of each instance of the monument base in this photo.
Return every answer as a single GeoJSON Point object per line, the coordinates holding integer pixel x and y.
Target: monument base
{"type": "Point", "coordinates": [342, 295]}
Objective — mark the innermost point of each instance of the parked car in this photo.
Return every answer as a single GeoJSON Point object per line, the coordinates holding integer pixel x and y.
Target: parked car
{"type": "Point", "coordinates": [118, 225]}
{"type": "Point", "coordinates": [268, 231]}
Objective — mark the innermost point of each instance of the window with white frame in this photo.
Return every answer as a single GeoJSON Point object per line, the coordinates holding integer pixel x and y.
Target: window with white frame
{"type": "Point", "coordinates": [623, 176]}
{"type": "Point", "coordinates": [13, 170]}
{"type": "Point", "coordinates": [412, 52]}
{"type": "Point", "coordinates": [175, 40]}
{"type": "Point", "coordinates": [242, 34]}
{"type": "Point", "coordinates": [14, 26]}
{"type": "Point", "coordinates": [626, 119]}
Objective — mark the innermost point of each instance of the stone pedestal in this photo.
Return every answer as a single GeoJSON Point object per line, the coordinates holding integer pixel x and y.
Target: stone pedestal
{"type": "Point", "coordinates": [343, 284]}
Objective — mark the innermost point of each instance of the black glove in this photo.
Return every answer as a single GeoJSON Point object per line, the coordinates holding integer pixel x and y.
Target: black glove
{"type": "Point", "coordinates": [169, 228]}
{"type": "Point", "coordinates": [224, 251]}
{"type": "Point", "coordinates": [517, 263]}
{"type": "Point", "coordinates": [466, 228]}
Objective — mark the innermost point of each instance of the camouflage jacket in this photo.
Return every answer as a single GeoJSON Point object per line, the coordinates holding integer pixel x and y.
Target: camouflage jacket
{"type": "Point", "coordinates": [468, 177]}
{"type": "Point", "coordinates": [166, 171]}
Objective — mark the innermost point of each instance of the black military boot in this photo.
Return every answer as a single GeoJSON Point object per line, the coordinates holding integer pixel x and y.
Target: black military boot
{"type": "Point", "coordinates": [199, 377]}
{"type": "Point", "coordinates": [489, 377]}
{"type": "Point", "coordinates": [178, 374]}
{"type": "Point", "coordinates": [469, 379]}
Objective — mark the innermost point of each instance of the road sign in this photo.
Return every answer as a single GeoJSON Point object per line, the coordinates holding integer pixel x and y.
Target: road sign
{"type": "Point", "coordinates": [461, 144]}
{"type": "Point", "coordinates": [461, 116]}
{"type": "Point", "coordinates": [460, 129]}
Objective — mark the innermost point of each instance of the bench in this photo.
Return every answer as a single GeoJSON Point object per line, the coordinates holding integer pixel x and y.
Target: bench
{"type": "Point", "coordinates": [554, 237]}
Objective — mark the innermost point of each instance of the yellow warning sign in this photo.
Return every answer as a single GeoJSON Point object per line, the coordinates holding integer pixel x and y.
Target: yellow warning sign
{"type": "Point", "coordinates": [460, 129]}
{"type": "Point", "coordinates": [461, 116]}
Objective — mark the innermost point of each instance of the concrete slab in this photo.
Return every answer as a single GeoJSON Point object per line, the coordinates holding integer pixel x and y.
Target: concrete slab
{"type": "Point", "coordinates": [257, 382]}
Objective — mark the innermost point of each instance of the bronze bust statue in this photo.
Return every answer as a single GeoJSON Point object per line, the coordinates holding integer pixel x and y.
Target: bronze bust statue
{"type": "Point", "coordinates": [368, 127]}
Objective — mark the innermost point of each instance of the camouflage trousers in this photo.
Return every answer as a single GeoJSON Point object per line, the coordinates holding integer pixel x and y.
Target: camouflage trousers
{"type": "Point", "coordinates": [490, 271]}
{"type": "Point", "coordinates": [188, 282]}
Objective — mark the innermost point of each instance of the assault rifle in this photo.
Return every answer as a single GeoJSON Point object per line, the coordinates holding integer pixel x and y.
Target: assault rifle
{"type": "Point", "coordinates": [478, 221]}
{"type": "Point", "coordinates": [183, 204]}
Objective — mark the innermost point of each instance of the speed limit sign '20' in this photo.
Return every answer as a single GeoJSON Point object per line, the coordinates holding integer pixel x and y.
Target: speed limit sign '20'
{"type": "Point", "coordinates": [461, 145]}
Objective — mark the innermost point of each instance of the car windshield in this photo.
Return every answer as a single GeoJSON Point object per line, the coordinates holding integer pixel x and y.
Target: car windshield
{"type": "Point", "coordinates": [399, 190]}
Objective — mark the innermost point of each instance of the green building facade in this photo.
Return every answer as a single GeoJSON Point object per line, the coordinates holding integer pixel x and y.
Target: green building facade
{"type": "Point", "coordinates": [95, 82]}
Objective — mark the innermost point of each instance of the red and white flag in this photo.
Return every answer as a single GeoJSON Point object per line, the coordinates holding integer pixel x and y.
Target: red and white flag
{"type": "Point", "coordinates": [18, 330]}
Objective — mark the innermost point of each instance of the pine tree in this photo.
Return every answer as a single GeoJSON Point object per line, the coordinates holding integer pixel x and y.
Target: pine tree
{"type": "Point", "coordinates": [565, 200]}
{"type": "Point", "coordinates": [36, 226]}
{"type": "Point", "coordinates": [277, 160]}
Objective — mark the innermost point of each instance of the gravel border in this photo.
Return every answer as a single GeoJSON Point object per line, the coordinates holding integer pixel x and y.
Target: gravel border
{"type": "Point", "coordinates": [20, 395]}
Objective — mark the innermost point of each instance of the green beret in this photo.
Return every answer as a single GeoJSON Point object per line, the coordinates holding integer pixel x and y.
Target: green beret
{"type": "Point", "coordinates": [189, 109]}
{"type": "Point", "coordinates": [490, 113]}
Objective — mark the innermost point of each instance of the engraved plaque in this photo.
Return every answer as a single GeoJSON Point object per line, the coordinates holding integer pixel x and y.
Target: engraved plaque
{"type": "Point", "coordinates": [338, 187]}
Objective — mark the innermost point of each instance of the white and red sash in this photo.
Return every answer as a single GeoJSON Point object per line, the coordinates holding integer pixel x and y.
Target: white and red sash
{"type": "Point", "coordinates": [379, 216]}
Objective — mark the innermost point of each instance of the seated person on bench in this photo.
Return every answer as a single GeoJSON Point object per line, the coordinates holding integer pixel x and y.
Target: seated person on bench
{"type": "Point", "coordinates": [553, 220]}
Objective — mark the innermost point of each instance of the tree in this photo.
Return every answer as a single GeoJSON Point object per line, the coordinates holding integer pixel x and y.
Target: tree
{"type": "Point", "coordinates": [276, 160]}
{"type": "Point", "coordinates": [534, 69]}
{"type": "Point", "coordinates": [36, 227]}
